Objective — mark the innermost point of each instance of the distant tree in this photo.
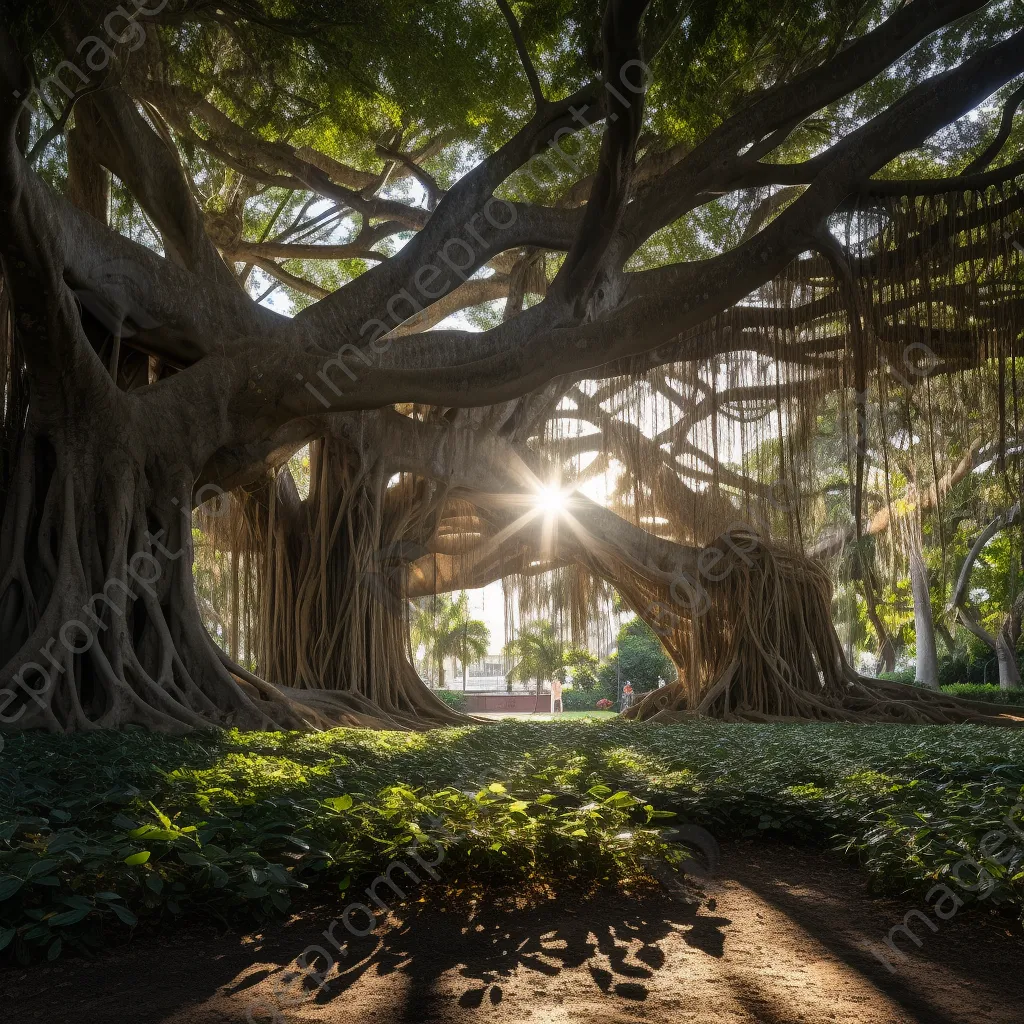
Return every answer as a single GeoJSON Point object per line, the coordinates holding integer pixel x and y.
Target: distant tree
{"type": "Point", "coordinates": [1000, 629]}
{"type": "Point", "coordinates": [540, 653]}
{"type": "Point", "coordinates": [640, 657]}
{"type": "Point", "coordinates": [584, 670]}
{"type": "Point", "coordinates": [445, 629]}
{"type": "Point", "coordinates": [472, 640]}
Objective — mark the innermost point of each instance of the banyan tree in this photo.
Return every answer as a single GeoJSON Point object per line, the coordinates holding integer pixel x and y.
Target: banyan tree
{"type": "Point", "coordinates": [655, 295]}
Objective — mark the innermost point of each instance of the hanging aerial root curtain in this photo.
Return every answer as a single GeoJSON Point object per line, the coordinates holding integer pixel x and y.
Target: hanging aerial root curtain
{"type": "Point", "coordinates": [830, 408]}
{"type": "Point", "coordinates": [325, 576]}
{"type": "Point", "coordinates": [896, 355]}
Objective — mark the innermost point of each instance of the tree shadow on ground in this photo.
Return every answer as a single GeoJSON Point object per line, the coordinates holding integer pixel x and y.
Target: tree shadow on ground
{"type": "Point", "coordinates": [487, 943]}
{"type": "Point", "coordinates": [845, 922]}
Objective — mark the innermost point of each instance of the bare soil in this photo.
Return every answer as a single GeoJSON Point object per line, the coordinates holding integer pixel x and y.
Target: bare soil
{"type": "Point", "coordinates": [778, 937]}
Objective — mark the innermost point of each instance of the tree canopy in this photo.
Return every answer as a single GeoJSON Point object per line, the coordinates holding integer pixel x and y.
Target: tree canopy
{"type": "Point", "coordinates": [654, 294]}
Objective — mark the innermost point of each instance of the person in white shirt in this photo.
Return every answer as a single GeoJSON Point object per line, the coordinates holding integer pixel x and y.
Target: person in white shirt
{"type": "Point", "coordinates": [556, 696]}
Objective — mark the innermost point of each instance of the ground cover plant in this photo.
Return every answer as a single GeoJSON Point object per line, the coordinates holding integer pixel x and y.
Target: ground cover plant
{"type": "Point", "coordinates": [106, 832]}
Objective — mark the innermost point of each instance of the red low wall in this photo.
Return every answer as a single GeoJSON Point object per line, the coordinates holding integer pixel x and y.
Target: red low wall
{"type": "Point", "coordinates": [508, 702]}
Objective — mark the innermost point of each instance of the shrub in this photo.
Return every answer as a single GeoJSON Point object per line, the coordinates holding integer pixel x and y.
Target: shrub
{"type": "Point", "coordinates": [455, 699]}
{"type": "Point", "coordinates": [580, 700]}
{"type": "Point", "coordinates": [901, 675]}
{"type": "Point", "coordinates": [992, 694]}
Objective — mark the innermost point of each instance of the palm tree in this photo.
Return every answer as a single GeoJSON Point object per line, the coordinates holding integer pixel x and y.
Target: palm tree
{"type": "Point", "coordinates": [444, 628]}
{"type": "Point", "coordinates": [539, 653]}
{"type": "Point", "coordinates": [472, 640]}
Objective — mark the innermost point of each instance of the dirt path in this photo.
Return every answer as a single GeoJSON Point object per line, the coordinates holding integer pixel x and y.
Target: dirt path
{"type": "Point", "coordinates": [779, 938]}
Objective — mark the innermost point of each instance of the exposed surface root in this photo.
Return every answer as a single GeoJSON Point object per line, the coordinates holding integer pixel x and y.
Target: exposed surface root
{"type": "Point", "coordinates": [99, 626]}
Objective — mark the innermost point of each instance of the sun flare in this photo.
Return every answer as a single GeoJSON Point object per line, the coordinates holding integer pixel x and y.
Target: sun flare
{"type": "Point", "coordinates": [550, 499]}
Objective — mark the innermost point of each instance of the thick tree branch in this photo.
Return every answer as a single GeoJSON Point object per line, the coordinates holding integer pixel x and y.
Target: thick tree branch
{"type": "Point", "coordinates": [524, 54]}
{"type": "Point", "coordinates": [992, 150]}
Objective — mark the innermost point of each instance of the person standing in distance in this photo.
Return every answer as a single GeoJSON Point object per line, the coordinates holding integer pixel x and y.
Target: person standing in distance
{"type": "Point", "coordinates": [556, 696]}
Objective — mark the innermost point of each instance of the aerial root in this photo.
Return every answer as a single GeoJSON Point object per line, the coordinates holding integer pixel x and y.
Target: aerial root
{"type": "Point", "coordinates": [766, 650]}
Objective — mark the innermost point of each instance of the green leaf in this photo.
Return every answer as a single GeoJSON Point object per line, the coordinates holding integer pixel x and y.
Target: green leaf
{"type": "Point", "coordinates": [496, 787]}
{"type": "Point", "coordinates": [161, 817]}
{"type": "Point", "coordinates": [6, 935]}
{"type": "Point", "coordinates": [621, 799]}
{"type": "Point", "coordinates": [339, 803]}
{"type": "Point", "coordinates": [167, 835]}
{"type": "Point", "coordinates": [137, 858]}
{"type": "Point", "coordinates": [124, 914]}
{"type": "Point", "coordinates": [9, 885]}
{"type": "Point", "coordinates": [69, 917]}
{"type": "Point", "coordinates": [42, 867]}
{"type": "Point", "coordinates": [54, 951]}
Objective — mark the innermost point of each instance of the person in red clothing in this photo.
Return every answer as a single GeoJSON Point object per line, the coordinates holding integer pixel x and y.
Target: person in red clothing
{"type": "Point", "coordinates": [627, 695]}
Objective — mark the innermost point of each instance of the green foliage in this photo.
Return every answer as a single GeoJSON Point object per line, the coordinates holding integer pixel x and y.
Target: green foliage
{"type": "Point", "coordinates": [93, 838]}
{"type": "Point", "coordinates": [582, 700]}
{"type": "Point", "coordinates": [236, 825]}
{"type": "Point", "coordinates": [453, 698]}
{"type": "Point", "coordinates": [443, 626]}
{"type": "Point", "coordinates": [641, 658]}
{"type": "Point", "coordinates": [540, 654]}
{"type": "Point", "coordinates": [991, 694]}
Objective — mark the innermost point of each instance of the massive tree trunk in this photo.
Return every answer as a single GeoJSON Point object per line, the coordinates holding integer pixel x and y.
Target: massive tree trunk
{"type": "Point", "coordinates": [99, 626]}
{"type": "Point", "coordinates": [754, 641]}
{"type": "Point", "coordinates": [332, 615]}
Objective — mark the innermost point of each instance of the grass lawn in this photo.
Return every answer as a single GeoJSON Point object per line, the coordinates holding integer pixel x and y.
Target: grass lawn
{"type": "Point", "coordinates": [99, 831]}
{"type": "Point", "coordinates": [563, 716]}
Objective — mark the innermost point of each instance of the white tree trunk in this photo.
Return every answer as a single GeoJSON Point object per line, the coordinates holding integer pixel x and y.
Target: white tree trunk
{"type": "Point", "coordinates": [1009, 673]}
{"type": "Point", "coordinates": [927, 661]}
